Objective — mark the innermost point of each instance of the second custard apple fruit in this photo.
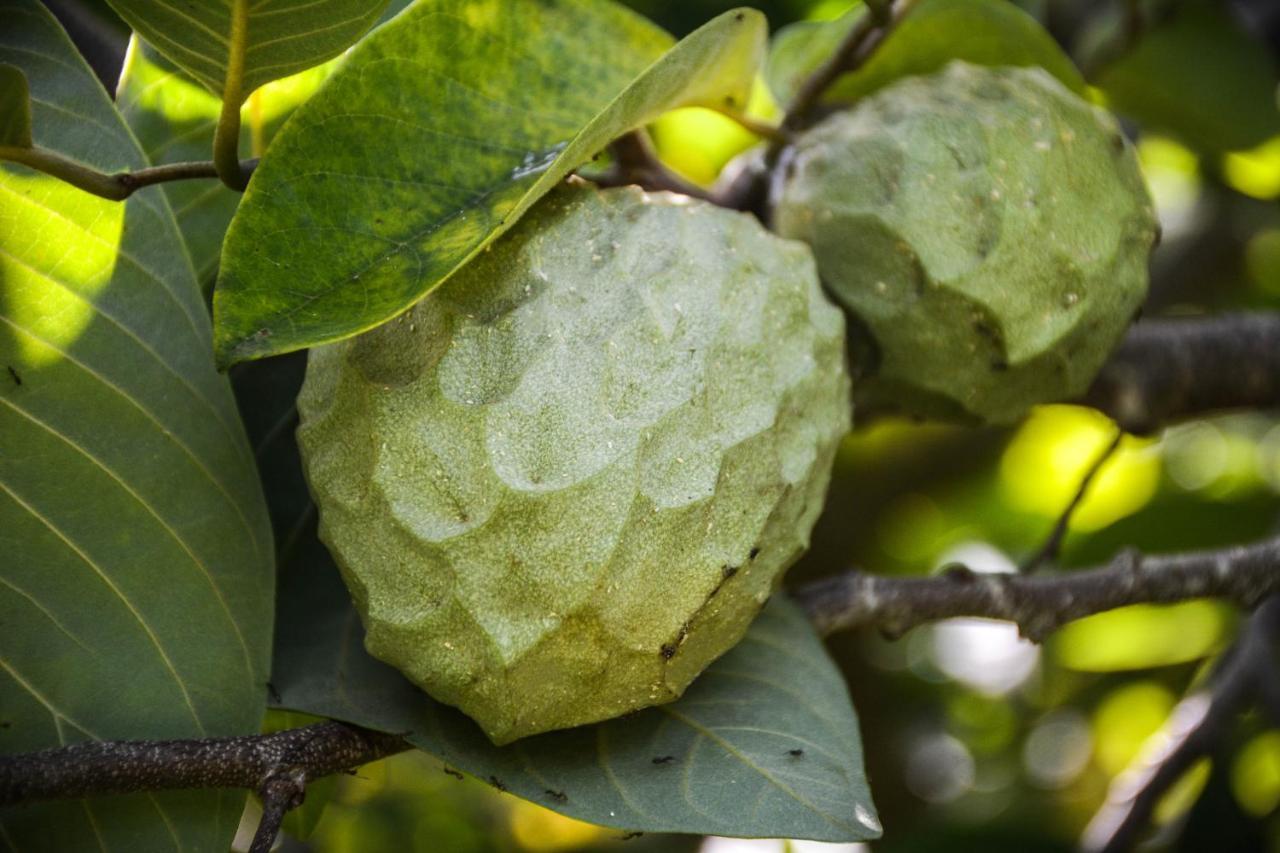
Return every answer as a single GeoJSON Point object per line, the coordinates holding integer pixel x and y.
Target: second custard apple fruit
{"type": "Point", "coordinates": [989, 228]}
{"type": "Point", "coordinates": [567, 480]}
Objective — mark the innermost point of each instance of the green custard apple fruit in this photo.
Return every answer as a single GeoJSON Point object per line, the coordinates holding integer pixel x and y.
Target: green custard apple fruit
{"type": "Point", "coordinates": [566, 481]}
{"type": "Point", "coordinates": [986, 226]}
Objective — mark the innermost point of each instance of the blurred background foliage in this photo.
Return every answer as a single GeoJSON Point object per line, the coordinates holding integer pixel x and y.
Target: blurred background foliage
{"type": "Point", "coordinates": [975, 739]}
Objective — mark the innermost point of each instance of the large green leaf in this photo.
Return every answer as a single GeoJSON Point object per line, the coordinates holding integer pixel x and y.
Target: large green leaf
{"type": "Point", "coordinates": [764, 743]}
{"type": "Point", "coordinates": [234, 46]}
{"type": "Point", "coordinates": [1199, 75]}
{"type": "Point", "coordinates": [935, 32]}
{"type": "Point", "coordinates": [136, 587]}
{"type": "Point", "coordinates": [174, 119]}
{"type": "Point", "coordinates": [437, 133]}
{"type": "Point", "coordinates": [15, 108]}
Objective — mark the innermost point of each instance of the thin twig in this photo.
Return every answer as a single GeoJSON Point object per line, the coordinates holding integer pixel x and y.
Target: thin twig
{"type": "Point", "coordinates": [1048, 552]}
{"type": "Point", "coordinates": [1039, 605]}
{"type": "Point", "coordinates": [759, 127]}
{"type": "Point", "coordinates": [858, 45]}
{"type": "Point", "coordinates": [1196, 726]}
{"type": "Point", "coordinates": [635, 162]}
{"type": "Point", "coordinates": [117, 186]}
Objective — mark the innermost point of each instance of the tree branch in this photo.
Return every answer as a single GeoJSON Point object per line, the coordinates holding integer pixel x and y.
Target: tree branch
{"type": "Point", "coordinates": [635, 162]}
{"type": "Point", "coordinates": [1194, 729]}
{"type": "Point", "coordinates": [860, 42]}
{"type": "Point", "coordinates": [251, 761]}
{"type": "Point", "coordinates": [1165, 370]}
{"type": "Point", "coordinates": [1048, 552]}
{"type": "Point", "coordinates": [117, 186]}
{"type": "Point", "coordinates": [280, 794]}
{"type": "Point", "coordinates": [279, 765]}
{"type": "Point", "coordinates": [1040, 605]}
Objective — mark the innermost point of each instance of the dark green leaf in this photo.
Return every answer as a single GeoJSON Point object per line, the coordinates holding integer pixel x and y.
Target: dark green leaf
{"type": "Point", "coordinates": [720, 760]}
{"type": "Point", "coordinates": [438, 132]}
{"type": "Point", "coordinates": [136, 590]}
{"type": "Point", "coordinates": [1200, 76]}
{"type": "Point", "coordinates": [15, 108]}
{"type": "Point", "coordinates": [277, 38]}
{"type": "Point", "coordinates": [174, 119]}
{"type": "Point", "coordinates": [935, 32]}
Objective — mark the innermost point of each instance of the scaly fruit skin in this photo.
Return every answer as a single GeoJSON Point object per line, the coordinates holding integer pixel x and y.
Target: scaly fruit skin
{"type": "Point", "coordinates": [566, 481]}
{"type": "Point", "coordinates": [989, 228]}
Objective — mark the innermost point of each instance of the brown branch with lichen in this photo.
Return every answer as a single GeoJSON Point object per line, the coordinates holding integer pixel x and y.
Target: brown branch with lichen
{"type": "Point", "coordinates": [1039, 605]}
{"type": "Point", "coordinates": [250, 761]}
{"type": "Point", "coordinates": [286, 760]}
{"type": "Point", "coordinates": [1167, 370]}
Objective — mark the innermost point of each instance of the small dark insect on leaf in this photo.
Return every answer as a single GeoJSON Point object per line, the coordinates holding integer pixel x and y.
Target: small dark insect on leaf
{"type": "Point", "coordinates": [664, 759]}
{"type": "Point", "coordinates": [558, 796]}
{"type": "Point", "coordinates": [795, 753]}
{"type": "Point", "coordinates": [631, 835]}
{"type": "Point", "coordinates": [497, 783]}
{"type": "Point", "coordinates": [755, 552]}
{"type": "Point", "coordinates": [449, 771]}
{"type": "Point", "coordinates": [17, 380]}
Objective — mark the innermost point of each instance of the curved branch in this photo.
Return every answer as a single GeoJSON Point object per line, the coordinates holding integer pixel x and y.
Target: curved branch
{"type": "Point", "coordinates": [1040, 605]}
{"type": "Point", "coordinates": [226, 136]}
{"type": "Point", "coordinates": [112, 186]}
{"type": "Point", "coordinates": [1165, 370]}
{"type": "Point", "coordinates": [861, 41]}
{"type": "Point", "coordinates": [635, 162]}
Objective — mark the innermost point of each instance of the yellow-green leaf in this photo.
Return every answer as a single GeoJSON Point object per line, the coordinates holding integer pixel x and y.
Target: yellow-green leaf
{"type": "Point", "coordinates": [136, 589]}
{"type": "Point", "coordinates": [438, 132]}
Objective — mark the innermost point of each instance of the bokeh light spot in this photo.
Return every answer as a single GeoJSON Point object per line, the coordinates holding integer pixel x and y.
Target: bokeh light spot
{"type": "Point", "coordinates": [1041, 468]}
{"type": "Point", "coordinates": [1255, 172]}
{"type": "Point", "coordinates": [1172, 172]}
{"type": "Point", "coordinates": [1058, 749]}
{"type": "Point", "coordinates": [540, 830]}
{"type": "Point", "coordinates": [1125, 719]}
{"type": "Point", "coordinates": [1255, 776]}
{"type": "Point", "coordinates": [1143, 636]}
